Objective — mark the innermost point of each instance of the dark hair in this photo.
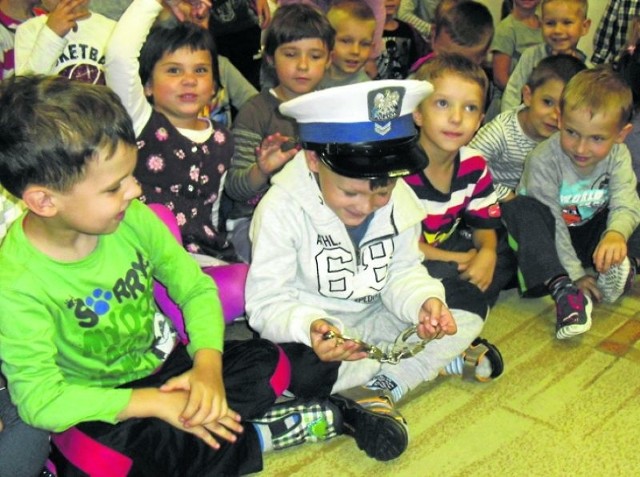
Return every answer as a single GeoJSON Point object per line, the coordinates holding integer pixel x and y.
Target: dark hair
{"type": "Point", "coordinates": [467, 22]}
{"type": "Point", "coordinates": [52, 126]}
{"type": "Point", "coordinates": [167, 38]}
{"type": "Point", "coordinates": [558, 67]}
{"type": "Point", "coordinates": [293, 22]}
{"type": "Point", "coordinates": [296, 22]}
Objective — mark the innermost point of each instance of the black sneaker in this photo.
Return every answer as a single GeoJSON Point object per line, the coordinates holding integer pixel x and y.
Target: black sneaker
{"type": "Point", "coordinates": [573, 310]}
{"type": "Point", "coordinates": [371, 418]}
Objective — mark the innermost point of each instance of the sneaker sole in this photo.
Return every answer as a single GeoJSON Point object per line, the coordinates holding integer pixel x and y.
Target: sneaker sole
{"type": "Point", "coordinates": [574, 330]}
{"type": "Point", "coordinates": [381, 437]}
{"type": "Point", "coordinates": [608, 295]}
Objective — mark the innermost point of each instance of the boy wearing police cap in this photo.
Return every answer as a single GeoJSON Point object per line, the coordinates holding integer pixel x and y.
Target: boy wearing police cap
{"type": "Point", "coordinates": [336, 274]}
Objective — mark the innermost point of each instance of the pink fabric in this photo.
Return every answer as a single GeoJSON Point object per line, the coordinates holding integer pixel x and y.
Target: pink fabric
{"type": "Point", "coordinates": [88, 455]}
{"type": "Point", "coordinates": [282, 375]}
{"type": "Point", "coordinates": [230, 280]}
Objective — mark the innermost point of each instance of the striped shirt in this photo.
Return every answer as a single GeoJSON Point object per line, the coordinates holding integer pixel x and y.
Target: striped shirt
{"type": "Point", "coordinates": [471, 198]}
{"type": "Point", "coordinates": [504, 145]}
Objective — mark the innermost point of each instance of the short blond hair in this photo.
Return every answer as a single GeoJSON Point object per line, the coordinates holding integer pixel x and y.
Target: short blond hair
{"type": "Point", "coordinates": [599, 90]}
{"type": "Point", "coordinates": [444, 64]}
{"type": "Point", "coordinates": [583, 4]}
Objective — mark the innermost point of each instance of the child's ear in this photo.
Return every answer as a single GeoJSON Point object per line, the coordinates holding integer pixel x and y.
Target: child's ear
{"type": "Point", "coordinates": [622, 135]}
{"type": "Point", "coordinates": [147, 89]}
{"type": "Point", "coordinates": [40, 201]}
{"type": "Point", "coordinates": [526, 95]}
{"type": "Point", "coordinates": [417, 118]}
{"type": "Point", "coordinates": [313, 161]}
{"type": "Point", "coordinates": [586, 26]}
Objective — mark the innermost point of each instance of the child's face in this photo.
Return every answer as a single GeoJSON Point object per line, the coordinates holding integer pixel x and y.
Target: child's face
{"type": "Point", "coordinates": [391, 7]}
{"type": "Point", "coordinates": [181, 85]}
{"type": "Point", "coordinates": [352, 200]}
{"type": "Point", "coordinates": [563, 24]}
{"type": "Point", "coordinates": [300, 65]}
{"type": "Point", "coordinates": [543, 104]}
{"type": "Point", "coordinates": [354, 39]}
{"type": "Point", "coordinates": [96, 204]}
{"type": "Point", "coordinates": [451, 115]}
{"type": "Point", "coordinates": [587, 138]}
{"type": "Point", "coordinates": [526, 4]}
{"type": "Point", "coordinates": [443, 43]}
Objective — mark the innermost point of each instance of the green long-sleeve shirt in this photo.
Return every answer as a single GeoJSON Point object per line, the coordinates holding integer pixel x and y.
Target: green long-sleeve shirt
{"type": "Point", "coordinates": [70, 332]}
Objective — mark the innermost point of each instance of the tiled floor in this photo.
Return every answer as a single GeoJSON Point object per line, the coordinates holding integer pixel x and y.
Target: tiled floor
{"type": "Point", "coordinates": [562, 408]}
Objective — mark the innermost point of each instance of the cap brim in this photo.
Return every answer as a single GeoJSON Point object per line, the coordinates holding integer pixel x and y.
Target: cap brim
{"type": "Point", "coordinates": [395, 161]}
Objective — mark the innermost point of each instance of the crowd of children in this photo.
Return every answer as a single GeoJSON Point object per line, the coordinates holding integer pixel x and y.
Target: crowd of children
{"type": "Point", "coordinates": [368, 206]}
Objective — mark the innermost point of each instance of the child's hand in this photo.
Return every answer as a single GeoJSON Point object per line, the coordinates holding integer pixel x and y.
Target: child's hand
{"type": "Point", "coordinates": [588, 286]}
{"type": "Point", "coordinates": [189, 9]}
{"type": "Point", "coordinates": [463, 259]}
{"type": "Point", "coordinates": [480, 269]}
{"type": "Point", "coordinates": [207, 398]}
{"type": "Point", "coordinates": [1, 425]}
{"type": "Point", "coordinates": [334, 349]}
{"type": "Point", "coordinates": [270, 156]}
{"type": "Point", "coordinates": [65, 15]}
{"type": "Point", "coordinates": [170, 406]}
{"type": "Point", "coordinates": [435, 320]}
{"type": "Point", "coordinates": [611, 250]}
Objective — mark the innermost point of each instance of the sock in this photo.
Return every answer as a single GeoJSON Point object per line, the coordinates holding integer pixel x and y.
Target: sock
{"type": "Point", "coordinates": [483, 370]}
{"type": "Point", "coordinates": [267, 432]}
{"type": "Point", "coordinates": [557, 284]}
{"type": "Point", "coordinates": [382, 381]}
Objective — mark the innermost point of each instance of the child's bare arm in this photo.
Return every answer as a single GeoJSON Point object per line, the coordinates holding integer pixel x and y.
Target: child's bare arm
{"type": "Point", "coordinates": [434, 253]}
{"type": "Point", "coordinates": [501, 67]}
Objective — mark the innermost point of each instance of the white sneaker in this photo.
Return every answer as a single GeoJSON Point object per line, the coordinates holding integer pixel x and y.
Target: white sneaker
{"type": "Point", "coordinates": [616, 281]}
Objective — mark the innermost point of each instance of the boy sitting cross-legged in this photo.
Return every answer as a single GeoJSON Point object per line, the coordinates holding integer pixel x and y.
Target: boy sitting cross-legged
{"type": "Point", "coordinates": [577, 204]}
{"type": "Point", "coordinates": [336, 261]}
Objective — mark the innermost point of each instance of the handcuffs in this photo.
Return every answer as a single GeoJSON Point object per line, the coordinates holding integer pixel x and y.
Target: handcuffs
{"type": "Point", "coordinates": [396, 352]}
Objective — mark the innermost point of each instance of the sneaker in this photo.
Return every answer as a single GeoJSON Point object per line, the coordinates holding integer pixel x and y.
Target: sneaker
{"type": "Point", "coordinates": [370, 417]}
{"type": "Point", "coordinates": [573, 309]}
{"type": "Point", "coordinates": [296, 422]}
{"type": "Point", "coordinates": [616, 281]}
{"type": "Point", "coordinates": [466, 365]}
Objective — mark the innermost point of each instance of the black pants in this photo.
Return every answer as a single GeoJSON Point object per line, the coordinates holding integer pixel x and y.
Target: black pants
{"type": "Point", "coordinates": [155, 448]}
{"type": "Point", "coordinates": [532, 231]}
{"type": "Point", "coordinates": [502, 276]}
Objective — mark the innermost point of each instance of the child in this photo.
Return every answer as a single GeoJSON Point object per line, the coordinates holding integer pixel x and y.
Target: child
{"type": "Point", "coordinates": [564, 22]}
{"type": "Point", "coordinates": [460, 233]}
{"type": "Point", "coordinates": [402, 45]}
{"type": "Point", "coordinates": [92, 358]}
{"type": "Point", "coordinates": [461, 27]}
{"type": "Point", "coordinates": [297, 47]}
{"type": "Point", "coordinates": [579, 199]}
{"type": "Point", "coordinates": [70, 41]}
{"type": "Point", "coordinates": [165, 85]}
{"type": "Point", "coordinates": [336, 260]}
{"type": "Point", "coordinates": [507, 139]}
{"type": "Point", "coordinates": [12, 13]}
{"type": "Point", "coordinates": [354, 24]}
{"type": "Point", "coordinates": [518, 31]}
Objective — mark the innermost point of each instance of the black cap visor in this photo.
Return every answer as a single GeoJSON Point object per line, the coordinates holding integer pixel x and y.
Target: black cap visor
{"type": "Point", "coordinates": [372, 160]}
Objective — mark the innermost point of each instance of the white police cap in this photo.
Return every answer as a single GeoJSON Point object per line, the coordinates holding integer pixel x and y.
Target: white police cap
{"type": "Point", "coordinates": [364, 130]}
